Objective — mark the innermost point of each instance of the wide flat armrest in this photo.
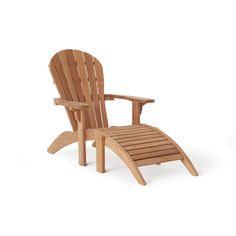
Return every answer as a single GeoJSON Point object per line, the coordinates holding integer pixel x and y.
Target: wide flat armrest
{"type": "Point", "coordinates": [130, 98]}
{"type": "Point", "coordinates": [71, 105]}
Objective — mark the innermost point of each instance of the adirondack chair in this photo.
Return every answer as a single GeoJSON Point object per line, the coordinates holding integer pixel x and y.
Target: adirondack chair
{"type": "Point", "coordinates": [78, 77]}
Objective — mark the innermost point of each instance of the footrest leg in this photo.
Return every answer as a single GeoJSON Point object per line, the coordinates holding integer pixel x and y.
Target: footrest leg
{"type": "Point", "coordinates": [100, 152]}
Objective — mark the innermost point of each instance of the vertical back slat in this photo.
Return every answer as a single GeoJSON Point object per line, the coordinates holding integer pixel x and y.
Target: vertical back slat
{"type": "Point", "coordinates": [93, 86]}
{"type": "Point", "coordinates": [62, 76]}
{"type": "Point", "coordinates": [85, 85]}
{"type": "Point", "coordinates": [74, 73]}
{"type": "Point", "coordinates": [100, 84]}
{"type": "Point", "coordinates": [58, 75]}
{"type": "Point", "coordinates": [77, 81]}
{"type": "Point", "coordinates": [67, 73]}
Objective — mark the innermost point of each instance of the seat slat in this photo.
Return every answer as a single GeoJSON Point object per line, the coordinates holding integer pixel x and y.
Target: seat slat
{"type": "Point", "coordinates": [155, 154]}
{"type": "Point", "coordinates": [125, 130]}
{"type": "Point", "coordinates": [116, 137]}
{"type": "Point", "coordinates": [93, 87]}
{"type": "Point", "coordinates": [151, 149]}
{"type": "Point", "coordinates": [120, 127]}
{"type": "Point", "coordinates": [132, 131]}
{"type": "Point", "coordinates": [141, 137]}
{"type": "Point", "coordinates": [158, 160]}
{"type": "Point", "coordinates": [147, 140]}
{"type": "Point", "coordinates": [154, 144]}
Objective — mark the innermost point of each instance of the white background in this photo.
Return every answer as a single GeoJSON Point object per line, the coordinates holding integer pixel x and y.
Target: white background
{"type": "Point", "coordinates": [182, 54]}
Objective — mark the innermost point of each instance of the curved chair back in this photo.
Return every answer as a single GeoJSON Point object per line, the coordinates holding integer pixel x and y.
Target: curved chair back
{"type": "Point", "coordinates": [78, 76]}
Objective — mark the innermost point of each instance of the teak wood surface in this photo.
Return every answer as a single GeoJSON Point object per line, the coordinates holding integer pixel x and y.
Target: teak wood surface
{"type": "Point", "coordinates": [78, 77]}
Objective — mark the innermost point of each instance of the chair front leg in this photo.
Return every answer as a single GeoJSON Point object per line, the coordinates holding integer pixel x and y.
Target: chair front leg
{"type": "Point", "coordinates": [136, 112]}
{"type": "Point", "coordinates": [80, 117]}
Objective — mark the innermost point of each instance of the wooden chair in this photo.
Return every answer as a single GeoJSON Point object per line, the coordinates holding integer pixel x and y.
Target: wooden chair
{"type": "Point", "coordinates": [78, 77]}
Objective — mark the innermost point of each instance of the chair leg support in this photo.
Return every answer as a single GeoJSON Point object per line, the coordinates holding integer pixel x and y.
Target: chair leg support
{"type": "Point", "coordinates": [64, 139]}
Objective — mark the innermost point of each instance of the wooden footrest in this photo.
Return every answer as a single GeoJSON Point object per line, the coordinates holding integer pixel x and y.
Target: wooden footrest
{"type": "Point", "coordinates": [145, 144]}
{"type": "Point", "coordinates": [138, 145]}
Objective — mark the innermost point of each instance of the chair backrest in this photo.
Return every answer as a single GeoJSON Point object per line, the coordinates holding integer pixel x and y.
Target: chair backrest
{"type": "Point", "coordinates": [78, 76]}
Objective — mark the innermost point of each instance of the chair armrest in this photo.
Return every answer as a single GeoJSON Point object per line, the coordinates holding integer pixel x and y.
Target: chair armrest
{"type": "Point", "coordinates": [130, 98]}
{"type": "Point", "coordinates": [71, 105]}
